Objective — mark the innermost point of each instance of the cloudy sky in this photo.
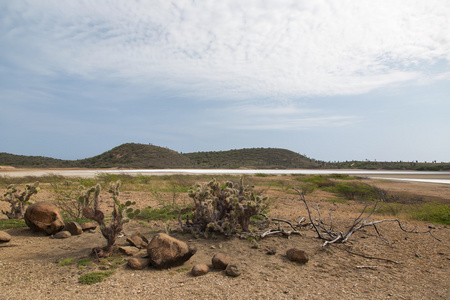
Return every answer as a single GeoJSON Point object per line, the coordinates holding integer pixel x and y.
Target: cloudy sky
{"type": "Point", "coordinates": [334, 80]}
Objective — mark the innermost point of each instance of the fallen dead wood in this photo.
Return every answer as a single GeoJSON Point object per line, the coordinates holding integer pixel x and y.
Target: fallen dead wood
{"type": "Point", "coordinates": [331, 236]}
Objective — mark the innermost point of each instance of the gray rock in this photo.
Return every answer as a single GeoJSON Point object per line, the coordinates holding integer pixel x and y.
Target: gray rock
{"type": "Point", "coordinates": [62, 235]}
{"type": "Point", "coordinates": [88, 226]}
{"type": "Point", "coordinates": [129, 250]}
{"type": "Point", "coordinates": [136, 263]}
{"type": "Point", "coordinates": [45, 217]}
{"type": "Point", "coordinates": [165, 251]}
{"type": "Point", "coordinates": [220, 261]}
{"type": "Point", "coordinates": [200, 269]}
{"type": "Point", "coordinates": [233, 270]}
{"type": "Point", "coordinates": [74, 228]}
{"type": "Point", "coordinates": [138, 240]}
{"type": "Point", "coordinates": [4, 237]}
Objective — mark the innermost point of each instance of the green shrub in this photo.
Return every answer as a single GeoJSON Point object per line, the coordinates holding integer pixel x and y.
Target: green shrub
{"type": "Point", "coordinates": [358, 191]}
{"type": "Point", "coordinates": [432, 212]}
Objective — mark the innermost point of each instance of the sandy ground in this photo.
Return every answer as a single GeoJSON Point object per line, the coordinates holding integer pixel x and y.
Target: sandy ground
{"type": "Point", "coordinates": [408, 266]}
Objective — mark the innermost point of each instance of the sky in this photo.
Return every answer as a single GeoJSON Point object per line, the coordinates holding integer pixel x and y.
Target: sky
{"type": "Point", "coordinates": [334, 80]}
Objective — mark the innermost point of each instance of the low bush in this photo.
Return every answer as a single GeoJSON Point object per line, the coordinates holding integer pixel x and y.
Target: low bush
{"type": "Point", "coordinates": [432, 212]}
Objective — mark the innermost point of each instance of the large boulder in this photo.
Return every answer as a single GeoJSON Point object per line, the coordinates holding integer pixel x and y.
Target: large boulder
{"type": "Point", "coordinates": [45, 217]}
{"type": "Point", "coordinates": [165, 251]}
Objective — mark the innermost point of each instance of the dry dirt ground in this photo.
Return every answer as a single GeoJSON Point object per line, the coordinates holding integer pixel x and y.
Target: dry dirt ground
{"type": "Point", "coordinates": [408, 266]}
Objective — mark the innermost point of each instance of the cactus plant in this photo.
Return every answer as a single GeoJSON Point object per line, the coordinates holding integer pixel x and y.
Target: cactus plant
{"type": "Point", "coordinates": [19, 200]}
{"type": "Point", "coordinates": [120, 213]}
{"type": "Point", "coordinates": [226, 208]}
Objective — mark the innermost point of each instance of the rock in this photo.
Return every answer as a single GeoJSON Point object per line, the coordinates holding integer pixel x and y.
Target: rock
{"type": "Point", "coordinates": [62, 235]}
{"type": "Point", "coordinates": [138, 240]}
{"type": "Point", "coordinates": [4, 237]}
{"type": "Point", "coordinates": [88, 226]}
{"type": "Point", "coordinates": [45, 217]}
{"type": "Point", "coordinates": [220, 261]}
{"type": "Point", "coordinates": [138, 263]}
{"type": "Point", "coordinates": [165, 251]}
{"type": "Point", "coordinates": [74, 228]}
{"type": "Point", "coordinates": [200, 269]}
{"type": "Point", "coordinates": [297, 255]}
{"type": "Point", "coordinates": [233, 270]}
{"type": "Point", "coordinates": [129, 250]}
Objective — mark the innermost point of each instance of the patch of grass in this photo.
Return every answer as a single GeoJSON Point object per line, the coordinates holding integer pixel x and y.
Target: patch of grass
{"type": "Point", "coordinates": [94, 277]}
{"type": "Point", "coordinates": [12, 223]}
{"type": "Point", "coordinates": [392, 209]}
{"type": "Point", "coordinates": [111, 263]}
{"type": "Point", "coordinates": [84, 262]}
{"type": "Point", "coordinates": [65, 262]}
{"type": "Point", "coordinates": [355, 190]}
{"type": "Point", "coordinates": [432, 212]}
{"type": "Point", "coordinates": [183, 269]}
{"type": "Point", "coordinates": [319, 181]}
{"type": "Point", "coordinates": [341, 176]}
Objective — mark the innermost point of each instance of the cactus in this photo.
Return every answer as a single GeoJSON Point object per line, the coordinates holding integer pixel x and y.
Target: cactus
{"type": "Point", "coordinates": [19, 200]}
{"type": "Point", "coordinates": [226, 208]}
{"type": "Point", "coordinates": [121, 214]}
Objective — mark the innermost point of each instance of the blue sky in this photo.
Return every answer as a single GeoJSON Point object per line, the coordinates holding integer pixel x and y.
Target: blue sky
{"type": "Point", "coordinates": [334, 80]}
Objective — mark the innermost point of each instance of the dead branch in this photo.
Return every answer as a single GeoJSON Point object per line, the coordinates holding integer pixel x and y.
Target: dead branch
{"type": "Point", "coordinates": [330, 236]}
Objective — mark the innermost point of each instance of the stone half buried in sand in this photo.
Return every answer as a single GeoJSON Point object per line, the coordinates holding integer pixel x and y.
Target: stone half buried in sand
{"type": "Point", "coordinates": [165, 251]}
{"type": "Point", "coordinates": [297, 255]}
{"type": "Point", "coordinates": [45, 217]}
{"type": "Point", "coordinates": [4, 237]}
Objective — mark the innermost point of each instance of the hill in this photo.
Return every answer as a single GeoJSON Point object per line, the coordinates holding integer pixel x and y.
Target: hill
{"type": "Point", "coordinates": [23, 161]}
{"type": "Point", "coordinates": [139, 156]}
{"type": "Point", "coordinates": [143, 156]}
{"type": "Point", "coordinates": [254, 158]}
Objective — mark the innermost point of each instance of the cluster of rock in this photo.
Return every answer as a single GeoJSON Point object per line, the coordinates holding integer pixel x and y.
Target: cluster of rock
{"type": "Point", "coordinates": [220, 261]}
{"type": "Point", "coordinates": [46, 217]}
{"type": "Point", "coordinates": [163, 251]}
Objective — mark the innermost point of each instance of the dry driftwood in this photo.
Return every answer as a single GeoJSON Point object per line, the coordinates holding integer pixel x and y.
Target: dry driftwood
{"type": "Point", "coordinates": [331, 236]}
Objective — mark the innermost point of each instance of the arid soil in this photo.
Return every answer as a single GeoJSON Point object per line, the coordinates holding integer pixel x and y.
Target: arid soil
{"type": "Point", "coordinates": [403, 266]}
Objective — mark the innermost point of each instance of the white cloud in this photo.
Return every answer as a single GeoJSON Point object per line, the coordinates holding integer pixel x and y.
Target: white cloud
{"type": "Point", "coordinates": [232, 49]}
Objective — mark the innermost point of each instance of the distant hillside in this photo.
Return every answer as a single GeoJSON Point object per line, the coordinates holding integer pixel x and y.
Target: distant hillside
{"type": "Point", "coordinates": [254, 158]}
{"type": "Point", "coordinates": [137, 156]}
{"type": "Point", "coordinates": [141, 156]}
{"type": "Point", "coordinates": [22, 161]}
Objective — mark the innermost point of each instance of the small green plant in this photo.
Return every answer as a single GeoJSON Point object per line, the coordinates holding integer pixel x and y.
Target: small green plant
{"type": "Point", "coordinates": [65, 262]}
{"type": "Point", "coordinates": [19, 200]}
{"type": "Point", "coordinates": [94, 277]}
